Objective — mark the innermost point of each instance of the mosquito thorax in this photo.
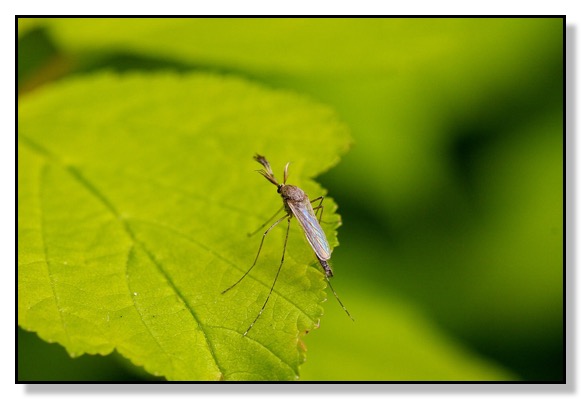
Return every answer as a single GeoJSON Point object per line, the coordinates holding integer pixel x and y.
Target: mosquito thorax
{"type": "Point", "coordinates": [291, 193]}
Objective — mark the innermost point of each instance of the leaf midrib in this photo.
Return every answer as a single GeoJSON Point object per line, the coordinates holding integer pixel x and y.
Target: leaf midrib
{"type": "Point", "coordinates": [77, 175]}
{"type": "Point", "coordinates": [84, 182]}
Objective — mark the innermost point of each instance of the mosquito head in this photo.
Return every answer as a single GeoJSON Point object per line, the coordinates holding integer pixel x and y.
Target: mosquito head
{"type": "Point", "coordinates": [267, 171]}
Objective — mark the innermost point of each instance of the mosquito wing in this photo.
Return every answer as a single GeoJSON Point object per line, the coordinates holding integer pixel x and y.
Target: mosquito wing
{"type": "Point", "coordinates": [305, 214]}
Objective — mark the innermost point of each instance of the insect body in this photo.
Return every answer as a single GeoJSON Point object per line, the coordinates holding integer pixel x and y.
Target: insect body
{"type": "Point", "coordinates": [295, 203]}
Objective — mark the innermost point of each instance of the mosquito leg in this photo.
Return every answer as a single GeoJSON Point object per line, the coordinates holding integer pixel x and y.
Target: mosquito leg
{"type": "Point", "coordinates": [259, 248]}
{"type": "Point", "coordinates": [336, 296]}
{"type": "Point", "coordinates": [265, 223]}
{"type": "Point", "coordinates": [320, 206]}
{"type": "Point", "coordinates": [275, 278]}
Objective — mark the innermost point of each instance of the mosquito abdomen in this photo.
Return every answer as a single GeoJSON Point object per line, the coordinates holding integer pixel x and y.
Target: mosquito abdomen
{"type": "Point", "coordinates": [326, 267]}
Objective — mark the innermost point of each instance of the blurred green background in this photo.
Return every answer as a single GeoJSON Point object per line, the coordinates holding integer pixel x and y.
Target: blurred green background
{"type": "Point", "coordinates": [451, 197]}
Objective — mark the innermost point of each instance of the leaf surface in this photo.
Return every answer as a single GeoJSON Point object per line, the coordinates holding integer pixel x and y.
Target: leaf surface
{"type": "Point", "coordinates": [136, 194]}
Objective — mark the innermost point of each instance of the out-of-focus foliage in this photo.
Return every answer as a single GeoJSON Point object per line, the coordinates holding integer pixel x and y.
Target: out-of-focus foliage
{"type": "Point", "coordinates": [452, 195]}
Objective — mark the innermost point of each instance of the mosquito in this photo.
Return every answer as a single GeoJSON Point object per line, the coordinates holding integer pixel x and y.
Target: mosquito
{"type": "Point", "coordinates": [295, 203]}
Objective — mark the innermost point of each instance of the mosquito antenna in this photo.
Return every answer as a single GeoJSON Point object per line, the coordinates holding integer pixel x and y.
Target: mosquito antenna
{"type": "Point", "coordinates": [267, 172]}
{"type": "Point", "coordinates": [286, 172]}
{"type": "Point", "coordinates": [262, 160]}
{"type": "Point", "coordinates": [336, 296]}
{"type": "Point", "coordinates": [268, 177]}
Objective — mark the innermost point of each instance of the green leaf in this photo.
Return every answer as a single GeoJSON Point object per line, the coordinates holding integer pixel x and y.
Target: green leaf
{"type": "Point", "coordinates": [135, 197]}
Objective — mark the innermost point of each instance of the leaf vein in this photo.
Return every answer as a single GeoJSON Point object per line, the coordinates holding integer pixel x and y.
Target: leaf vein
{"type": "Point", "coordinates": [60, 310]}
{"type": "Point", "coordinates": [185, 302]}
{"type": "Point", "coordinates": [257, 342]}
{"type": "Point", "coordinates": [77, 175]}
{"type": "Point", "coordinates": [226, 260]}
{"type": "Point", "coordinates": [99, 195]}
